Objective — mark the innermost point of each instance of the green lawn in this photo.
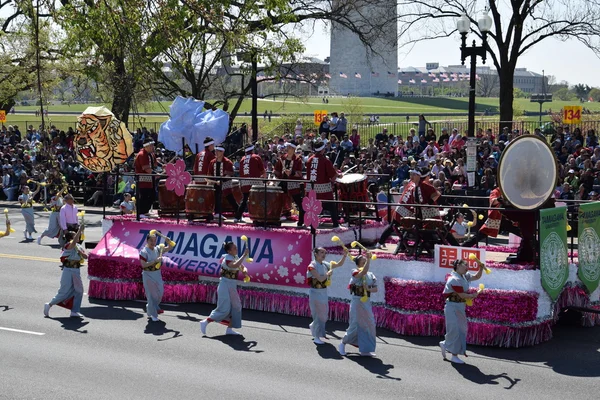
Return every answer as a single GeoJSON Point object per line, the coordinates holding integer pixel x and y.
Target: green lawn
{"type": "Point", "coordinates": [290, 106]}
{"type": "Point", "coordinates": [369, 105]}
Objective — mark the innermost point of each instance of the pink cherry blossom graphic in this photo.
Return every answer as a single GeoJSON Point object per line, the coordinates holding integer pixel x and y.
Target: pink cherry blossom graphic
{"type": "Point", "coordinates": [177, 177]}
{"type": "Point", "coordinates": [312, 208]}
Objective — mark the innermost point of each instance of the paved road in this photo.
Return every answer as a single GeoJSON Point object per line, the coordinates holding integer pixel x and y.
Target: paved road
{"type": "Point", "coordinates": [115, 353]}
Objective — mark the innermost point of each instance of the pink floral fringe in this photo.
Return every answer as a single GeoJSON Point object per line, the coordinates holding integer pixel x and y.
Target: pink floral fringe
{"type": "Point", "coordinates": [399, 321]}
{"type": "Point", "coordinates": [509, 306]}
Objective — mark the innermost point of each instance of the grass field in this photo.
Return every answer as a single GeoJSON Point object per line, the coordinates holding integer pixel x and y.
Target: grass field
{"type": "Point", "coordinates": [291, 106]}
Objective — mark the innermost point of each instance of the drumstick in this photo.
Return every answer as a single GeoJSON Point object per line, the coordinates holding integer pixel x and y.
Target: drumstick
{"type": "Point", "coordinates": [245, 240]}
{"type": "Point", "coordinates": [355, 243]}
{"type": "Point", "coordinates": [473, 257]}
{"type": "Point", "coordinates": [349, 169]}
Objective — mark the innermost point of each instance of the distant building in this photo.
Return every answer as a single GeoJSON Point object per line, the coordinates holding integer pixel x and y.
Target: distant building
{"type": "Point", "coordinates": [457, 76]}
{"type": "Point", "coordinates": [354, 69]}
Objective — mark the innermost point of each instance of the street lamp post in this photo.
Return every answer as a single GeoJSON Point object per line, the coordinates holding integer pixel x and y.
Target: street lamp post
{"type": "Point", "coordinates": [463, 25]}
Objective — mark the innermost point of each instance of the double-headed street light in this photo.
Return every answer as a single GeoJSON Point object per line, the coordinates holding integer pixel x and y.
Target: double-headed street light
{"type": "Point", "coordinates": [463, 25]}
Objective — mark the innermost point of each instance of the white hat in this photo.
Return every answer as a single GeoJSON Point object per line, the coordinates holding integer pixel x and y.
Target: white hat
{"type": "Point", "coordinates": [219, 148]}
{"type": "Point", "coordinates": [249, 147]}
{"type": "Point", "coordinates": [571, 171]}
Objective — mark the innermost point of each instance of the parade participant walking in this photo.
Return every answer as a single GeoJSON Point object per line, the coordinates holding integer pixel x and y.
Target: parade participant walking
{"type": "Point", "coordinates": [68, 215]}
{"type": "Point", "coordinates": [127, 206]}
{"type": "Point", "coordinates": [289, 166]}
{"type": "Point", "coordinates": [321, 175]}
{"type": "Point", "coordinates": [204, 158]}
{"type": "Point", "coordinates": [145, 163]}
{"type": "Point", "coordinates": [151, 259]}
{"type": "Point", "coordinates": [26, 201]}
{"type": "Point", "coordinates": [361, 332]}
{"type": "Point", "coordinates": [229, 305]}
{"type": "Point", "coordinates": [318, 274]}
{"type": "Point", "coordinates": [222, 166]}
{"type": "Point", "coordinates": [456, 294]}
{"type": "Point", "coordinates": [54, 229]}
{"type": "Point", "coordinates": [251, 166]}
{"type": "Point", "coordinates": [71, 285]}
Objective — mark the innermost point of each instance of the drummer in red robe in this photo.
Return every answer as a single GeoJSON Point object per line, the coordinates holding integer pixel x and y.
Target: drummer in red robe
{"type": "Point", "coordinates": [495, 222]}
{"type": "Point", "coordinates": [289, 166]}
{"type": "Point", "coordinates": [204, 158]}
{"type": "Point", "coordinates": [222, 166]}
{"type": "Point", "coordinates": [427, 194]}
{"type": "Point", "coordinates": [251, 166]}
{"type": "Point", "coordinates": [321, 175]}
{"type": "Point", "coordinates": [408, 197]}
{"type": "Point", "coordinates": [145, 163]}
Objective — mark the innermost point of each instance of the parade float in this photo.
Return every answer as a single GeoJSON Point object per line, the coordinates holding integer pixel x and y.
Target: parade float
{"type": "Point", "coordinates": [520, 304]}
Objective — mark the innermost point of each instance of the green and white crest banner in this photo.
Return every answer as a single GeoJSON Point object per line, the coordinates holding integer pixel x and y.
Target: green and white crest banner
{"type": "Point", "coordinates": [589, 245]}
{"type": "Point", "coordinates": [554, 260]}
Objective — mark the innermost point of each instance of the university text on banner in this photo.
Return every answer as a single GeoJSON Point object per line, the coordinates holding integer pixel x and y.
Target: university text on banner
{"type": "Point", "coordinates": [554, 261]}
{"type": "Point", "coordinates": [278, 258]}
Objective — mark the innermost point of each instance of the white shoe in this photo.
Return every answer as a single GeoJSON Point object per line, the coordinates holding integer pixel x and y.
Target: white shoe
{"type": "Point", "coordinates": [342, 348]}
{"type": "Point", "coordinates": [368, 354]}
{"type": "Point", "coordinates": [39, 240]}
{"type": "Point", "coordinates": [47, 309]}
{"type": "Point", "coordinates": [76, 314]}
{"type": "Point", "coordinates": [443, 349]}
{"type": "Point", "coordinates": [230, 331]}
{"type": "Point", "coordinates": [154, 319]}
{"type": "Point", "coordinates": [235, 220]}
{"type": "Point", "coordinates": [283, 218]}
{"type": "Point", "coordinates": [456, 360]}
{"type": "Point", "coordinates": [318, 341]}
{"type": "Point", "coordinates": [379, 246]}
{"type": "Point", "coordinates": [143, 216]}
{"type": "Point", "coordinates": [203, 325]}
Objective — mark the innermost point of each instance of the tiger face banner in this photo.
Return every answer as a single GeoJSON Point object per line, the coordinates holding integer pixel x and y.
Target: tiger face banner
{"type": "Point", "coordinates": [101, 141]}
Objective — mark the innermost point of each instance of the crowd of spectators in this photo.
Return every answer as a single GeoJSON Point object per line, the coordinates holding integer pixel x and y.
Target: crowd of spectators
{"type": "Point", "coordinates": [47, 157]}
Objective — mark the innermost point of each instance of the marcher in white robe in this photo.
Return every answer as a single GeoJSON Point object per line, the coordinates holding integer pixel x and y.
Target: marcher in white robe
{"type": "Point", "coordinates": [26, 201]}
{"type": "Point", "coordinates": [53, 230]}
{"type": "Point", "coordinates": [456, 294]}
{"type": "Point", "coordinates": [362, 330]}
{"type": "Point", "coordinates": [229, 305]}
{"type": "Point", "coordinates": [71, 285]}
{"type": "Point", "coordinates": [151, 259]}
{"type": "Point", "coordinates": [318, 276]}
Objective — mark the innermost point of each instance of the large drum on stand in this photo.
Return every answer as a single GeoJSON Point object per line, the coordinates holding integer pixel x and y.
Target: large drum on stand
{"type": "Point", "coordinates": [265, 202]}
{"type": "Point", "coordinates": [353, 187]}
{"type": "Point", "coordinates": [170, 204]}
{"type": "Point", "coordinates": [199, 201]}
{"type": "Point", "coordinates": [527, 178]}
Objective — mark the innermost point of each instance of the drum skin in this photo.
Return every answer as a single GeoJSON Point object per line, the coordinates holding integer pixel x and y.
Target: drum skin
{"type": "Point", "coordinates": [170, 203]}
{"type": "Point", "coordinates": [527, 172]}
{"type": "Point", "coordinates": [199, 200]}
{"type": "Point", "coordinates": [274, 203]}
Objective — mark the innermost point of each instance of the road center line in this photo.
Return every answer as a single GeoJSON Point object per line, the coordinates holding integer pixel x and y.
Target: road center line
{"type": "Point", "coordinates": [22, 331]}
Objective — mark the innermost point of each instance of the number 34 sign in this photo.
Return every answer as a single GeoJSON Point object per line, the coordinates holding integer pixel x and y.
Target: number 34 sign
{"type": "Point", "coordinates": [572, 114]}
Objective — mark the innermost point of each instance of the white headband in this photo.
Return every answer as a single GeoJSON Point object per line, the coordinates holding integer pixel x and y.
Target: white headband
{"type": "Point", "coordinates": [292, 145]}
{"type": "Point", "coordinates": [249, 148]}
{"type": "Point", "coordinates": [149, 143]}
{"type": "Point", "coordinates": [219, 148]}
{"type": "Point", "coordinates": [209, 143]}
{"type": "Point", "coordinates": [320, 148]}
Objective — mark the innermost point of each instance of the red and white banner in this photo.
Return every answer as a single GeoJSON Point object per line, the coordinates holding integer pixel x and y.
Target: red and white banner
{"type": "Point", "coordinates": [446, 255]}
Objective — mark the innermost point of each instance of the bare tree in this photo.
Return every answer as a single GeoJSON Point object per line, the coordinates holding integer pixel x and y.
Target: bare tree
{"type": "Point", "coordinates": [488, 84]}
{"type": "Point", "coordinates": [519, 25]}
